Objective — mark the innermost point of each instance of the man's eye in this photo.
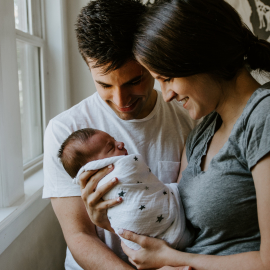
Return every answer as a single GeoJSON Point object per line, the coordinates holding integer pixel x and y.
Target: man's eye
{"type": "Point", "coordinates": [167, 80]}
{"type": "Point", "coordinates": [136, 82]}
{"type": "Point", "coordinates": [105, 86]}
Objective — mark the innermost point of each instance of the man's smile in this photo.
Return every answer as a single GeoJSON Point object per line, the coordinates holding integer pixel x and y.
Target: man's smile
{"type": "Point", "coordinates": [128, 108]}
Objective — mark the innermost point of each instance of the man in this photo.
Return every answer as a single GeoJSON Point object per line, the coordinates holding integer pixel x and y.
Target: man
{"type": "Point", "coordinates": [129, 109]}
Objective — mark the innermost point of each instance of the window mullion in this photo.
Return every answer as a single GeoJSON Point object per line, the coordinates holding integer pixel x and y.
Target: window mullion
{"type": "Point", "coordinates": [11, 165]}
{"type": "Point", "coordinates": [35, 18]}
{"type": "Point", "coordinates": [43, 86]}
{"type": "Point", "coordinates": [36, 41]}
{"type": "Point", "coordinates": [30, 17]}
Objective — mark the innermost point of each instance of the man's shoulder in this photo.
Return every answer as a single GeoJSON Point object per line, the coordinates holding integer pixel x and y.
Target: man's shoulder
{"type": "Point", "coordinates": [87, 105]}
{"type": "Point", "coordinates": [77, 117]}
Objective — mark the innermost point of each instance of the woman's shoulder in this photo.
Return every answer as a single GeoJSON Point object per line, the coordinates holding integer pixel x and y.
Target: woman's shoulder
{"type": "Point", "coordinates": [257, 109]}
{"type": "Point", "coordinates": [255, 126]}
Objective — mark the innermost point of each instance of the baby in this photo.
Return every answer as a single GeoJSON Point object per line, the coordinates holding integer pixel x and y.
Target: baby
{"type": "Point", "coordinates": [149, 207]}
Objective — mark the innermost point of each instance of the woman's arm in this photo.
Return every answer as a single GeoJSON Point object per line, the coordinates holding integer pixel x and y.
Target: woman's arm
{"type": "Point", "coordinates": [156, 253]}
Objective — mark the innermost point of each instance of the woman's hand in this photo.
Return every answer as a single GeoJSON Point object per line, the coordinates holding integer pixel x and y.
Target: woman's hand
{"type": "Point", "coordinates": [96, 207]}
{"type": "Point", "coordinates": [152, 255]}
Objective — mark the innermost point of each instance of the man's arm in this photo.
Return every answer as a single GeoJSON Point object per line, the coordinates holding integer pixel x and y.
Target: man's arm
{"type": "Point", "coordinates": [80, 234]}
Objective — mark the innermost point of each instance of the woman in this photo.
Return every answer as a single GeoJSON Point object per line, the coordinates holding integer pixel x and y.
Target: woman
{"type": "Point", "coordinates": [199, 50]}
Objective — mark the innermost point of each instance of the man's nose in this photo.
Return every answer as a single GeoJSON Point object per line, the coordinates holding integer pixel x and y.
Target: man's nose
{"type": "Point", "coordinates": [121, 97]}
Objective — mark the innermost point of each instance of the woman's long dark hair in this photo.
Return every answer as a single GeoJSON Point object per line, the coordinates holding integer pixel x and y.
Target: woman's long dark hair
{"type": "Point", "coordinates": [180, 38]}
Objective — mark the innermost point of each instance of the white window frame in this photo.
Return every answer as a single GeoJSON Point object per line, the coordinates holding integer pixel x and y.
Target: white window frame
{"type": "Point", "coordinates": [21, 186]}
{"type": "Point", "coordinates": [39, 42]}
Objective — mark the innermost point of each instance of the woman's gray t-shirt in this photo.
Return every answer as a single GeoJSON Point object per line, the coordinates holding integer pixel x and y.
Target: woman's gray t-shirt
{"type": "Point", "coordinates": [220, 204]}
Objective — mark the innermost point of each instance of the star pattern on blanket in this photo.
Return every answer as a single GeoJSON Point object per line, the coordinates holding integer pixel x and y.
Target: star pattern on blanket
{"type": "Point", "coordinates": [159, 218]}
{"type": "Point", "coordinates": [172, 193]}
{"type": "Point", "coordinates": [136, 159]}
{"type": "Point", "coordinates": [121, 194]}
{"type": "Point", "coordinates": [109, 218]}
{"type": "Point", "coordinates": [164, 192]}
{"type": "Point", "coordinates": [149, 169]}
{"type": "Point", "coordinates": [142, 207]}
{"type": "Point", "coordinates": [146, 187]}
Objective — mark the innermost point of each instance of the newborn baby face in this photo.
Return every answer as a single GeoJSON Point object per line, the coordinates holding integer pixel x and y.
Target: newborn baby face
{"type": "Point", "coordinates": [102, 145]}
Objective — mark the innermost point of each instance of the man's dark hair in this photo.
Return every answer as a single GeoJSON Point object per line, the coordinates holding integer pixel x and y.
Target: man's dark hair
{"type": "Point", "coordinates": [105, 31]}
{"type": "Point", "coordinates": [71, 152]}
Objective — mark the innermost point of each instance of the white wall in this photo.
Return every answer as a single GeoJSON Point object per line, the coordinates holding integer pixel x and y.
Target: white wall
{"type": "Point", "coordinates": [40, 246]}
{"type": "Point", "coordinates": [81, 82]}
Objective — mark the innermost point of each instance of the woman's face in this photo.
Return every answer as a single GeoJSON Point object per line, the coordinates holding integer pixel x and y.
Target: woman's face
{"type": "Point", "coordinates": [199, 94]}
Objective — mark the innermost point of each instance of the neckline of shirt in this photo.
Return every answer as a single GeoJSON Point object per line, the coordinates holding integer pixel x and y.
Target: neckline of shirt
{"type": "Point", "coordinates": [148, 117]}
{"type": "Point", "coordinates": [212, 127]}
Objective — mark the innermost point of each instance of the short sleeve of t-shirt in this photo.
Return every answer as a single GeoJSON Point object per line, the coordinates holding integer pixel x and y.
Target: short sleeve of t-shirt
{"type": "Point", "coordinates": [57, 181]}
{"type": "Point", "coordinates": [257, 135]}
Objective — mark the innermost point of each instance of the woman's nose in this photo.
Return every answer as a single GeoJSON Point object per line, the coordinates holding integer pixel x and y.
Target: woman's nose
{"type": "Point", "coordinates": [168, 95]}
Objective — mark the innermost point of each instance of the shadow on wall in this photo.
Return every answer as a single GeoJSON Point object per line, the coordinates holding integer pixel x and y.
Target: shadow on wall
{"type": "Point", "coordinates": [260, 18]}
{"type": "Point", "coordinates": [256, 15]}
{"type": "Point", "coordinates": [41, 246]}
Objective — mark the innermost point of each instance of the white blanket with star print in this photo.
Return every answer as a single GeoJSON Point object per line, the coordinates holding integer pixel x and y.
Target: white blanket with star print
{"type": "Point", "coordinates": [149, 207]}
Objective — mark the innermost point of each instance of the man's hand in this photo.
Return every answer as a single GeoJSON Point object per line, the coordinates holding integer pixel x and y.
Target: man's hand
{"type": "Point", "coordinates": [96, 207]}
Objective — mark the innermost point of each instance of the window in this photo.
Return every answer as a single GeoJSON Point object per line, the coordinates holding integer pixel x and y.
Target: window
{"type": "Point", "coordinates": [30, 100]}
{"type": "Point", "coordinates": [34, 87]}
{"type": "Point", "coordinates": [22, 92]}
{"type": "Point", "coordinates": [27, 14]}
{"type": "Point", "coordinates": [20, 14]}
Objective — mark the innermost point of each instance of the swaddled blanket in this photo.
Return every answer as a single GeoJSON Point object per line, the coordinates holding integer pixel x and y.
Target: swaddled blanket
{"type": "Point", "coordinates": [149, 207]}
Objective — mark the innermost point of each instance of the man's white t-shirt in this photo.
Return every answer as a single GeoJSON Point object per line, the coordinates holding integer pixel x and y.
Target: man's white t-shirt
{"type": "Point", "coordinates": [159, 138]}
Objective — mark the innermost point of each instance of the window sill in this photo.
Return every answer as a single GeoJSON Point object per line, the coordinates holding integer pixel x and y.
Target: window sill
{"type": "Point", "coordinates": [14, 219]}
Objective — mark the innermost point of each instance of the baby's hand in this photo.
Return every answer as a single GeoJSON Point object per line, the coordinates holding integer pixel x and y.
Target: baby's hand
{"type": "Point", "coordinates": [96, 207]}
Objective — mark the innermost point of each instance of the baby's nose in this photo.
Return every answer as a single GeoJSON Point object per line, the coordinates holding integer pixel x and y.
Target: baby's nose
{"type": "Point", "coordinates": [120, 145]}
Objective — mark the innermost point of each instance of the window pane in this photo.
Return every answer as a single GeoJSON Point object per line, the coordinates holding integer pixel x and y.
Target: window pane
{"type": "Point", "coordinates": [36, 18]}
{"type": "Point", "coordinates": [20, 14]}
{"type": "Point", "coordinates": [30, 100]}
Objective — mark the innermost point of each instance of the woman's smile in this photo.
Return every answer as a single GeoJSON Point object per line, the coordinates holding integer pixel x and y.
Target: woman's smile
{"type": "Point", "coordinates": [184, 101]}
